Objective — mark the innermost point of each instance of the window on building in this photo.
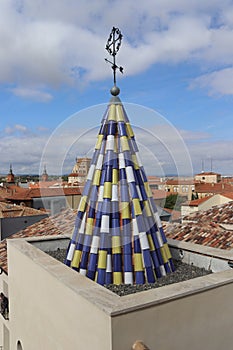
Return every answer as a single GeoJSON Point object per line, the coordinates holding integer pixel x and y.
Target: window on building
{"type": "Point", "coordinates": [4, 304]}
{"type": "Point", "coordinates": [19, 345]}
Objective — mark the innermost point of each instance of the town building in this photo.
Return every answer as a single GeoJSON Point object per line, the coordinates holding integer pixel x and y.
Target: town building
{"type": "Point", "coordinates": [44, 176]}
{"type": "Point", "coordinates": [212, 227]}
{"type": "Point", "coordinates": [205, 203]}
{"type": "Point", "coordinates": [208, 177]}
{"type": "Point", "coordinates": [79, 171]}
{"type": "Point", "coordinates": [10, 179]}
{"type": "Point", "coordinates": [210, 189]}
{"type": "Point", "coordinates": [14, 218]}
{"type": "Point", "coordinates": [50, 200]}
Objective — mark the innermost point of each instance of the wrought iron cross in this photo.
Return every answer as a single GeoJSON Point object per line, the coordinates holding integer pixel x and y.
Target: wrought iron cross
{"type": "Point", "coordinates": [113, 46]}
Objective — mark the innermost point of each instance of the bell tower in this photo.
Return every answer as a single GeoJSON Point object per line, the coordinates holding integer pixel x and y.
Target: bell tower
{"type": "Point", "coordinates": [44, 176]}
{"type": "Point", "coordinates": [10, 176]}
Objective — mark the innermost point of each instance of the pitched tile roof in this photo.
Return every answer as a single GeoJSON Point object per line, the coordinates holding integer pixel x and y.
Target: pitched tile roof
{"type": "Point", "coordinates": [60, 224]}
{"type": "Point", "coordinates": [206, 227]}
{"type": "Point", "coordinates": [196, 202]}
{"type": "Point", "coordinates": [207, 173]}
{"type": "Point", "coordinates": [6, 191]}
{"type": "Point", "coordinates": [10, 210]}
{"type": "Point", "coordinates": [218, 214]}
{"type": "Point", "coordinates": [28, 194]}
{"type": "Point", "coordinates": [213, 187]}
{"type": "Point", "coordinates": [159, 194]}
{"type": "Point", "coordinates": [179, 181]}
{"type": "Point", "coordinates": [228, 194]}
{"type": "Point", "coordinates": [44, 184]}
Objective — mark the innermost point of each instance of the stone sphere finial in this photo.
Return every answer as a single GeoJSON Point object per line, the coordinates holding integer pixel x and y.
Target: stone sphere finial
{"type": "Point", "coordinates": [115, 90]}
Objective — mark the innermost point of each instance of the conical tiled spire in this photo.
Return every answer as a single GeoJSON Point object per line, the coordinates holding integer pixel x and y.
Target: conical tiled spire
{"type": "Point", "coordinates": [118, 236]}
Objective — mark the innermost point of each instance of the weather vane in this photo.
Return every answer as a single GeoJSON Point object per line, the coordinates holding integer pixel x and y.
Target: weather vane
{"type": "Point", "coordinates": [113, 46]}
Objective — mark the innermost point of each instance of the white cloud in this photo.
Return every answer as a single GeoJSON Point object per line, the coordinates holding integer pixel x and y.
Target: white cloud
{"type": "Point", "coordinates": [51, 44]}
{"type": "Point", "coordinates": [32, 94]}
{"type": "Point", "coordinates": [163, 149]}
{"type": "Point", "coordinates": [218, 82]}
{"type": "Point", "coordinates": [17, 128]}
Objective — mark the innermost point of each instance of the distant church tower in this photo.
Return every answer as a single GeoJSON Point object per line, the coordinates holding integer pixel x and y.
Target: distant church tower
{"type": "Point", "coordinates": [44, 176]}
{"type": "Point", "coordinates": [10, 177]}
{"type": "Point", "coordinates": [80, 171]}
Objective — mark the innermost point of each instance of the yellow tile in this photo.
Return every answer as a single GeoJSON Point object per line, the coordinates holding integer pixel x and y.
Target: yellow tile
{"type": "Point", "coordinates": [129, 130]}
{"type": "Point", "coordinates": [76, 259]}
{"type": "Point", "coordinates": [148, 190]}
{"type": "Point", "coordinates": [117, 277]}
{"type": "Point", "coordinates": [89, 226]}
{"type": "Point", "coordinates": [137, 207]}
{"type": "Point", "coordinates": [151, 243]}
{"type": "Point", "coordinates": [112, 112]}
{"type": "Point", "coordinates": [82, 204]}
{"type": "Point", "coordinates": [135, 161]}
{"type": "Point", "coordinates": [114, 176]}
{"type": "Point", "coordinates": [138, 266]}
{"type": "Point", "coordinates": [102, 260]}
{"type": "Point", "coordinates": [147, 208]}
{"type": "Point", "coordinates": [96, 180]}
{"type": "Point", "coordinates": [124, 143]}
{"type": "Point", "coordinates": [167, 250]}
{"type": "Point", "coordinates": [99, 141]}
{"type": "Point", "coordinates": [120, 114]}
{"type": "Point", "coordinates": [116, 245]}
{"type": "Point", "coordinates": [125, 210]}
{"type": "Point", "coordinates": [164, 255]}
{"type": "Point", "coordinates": [107, 190]}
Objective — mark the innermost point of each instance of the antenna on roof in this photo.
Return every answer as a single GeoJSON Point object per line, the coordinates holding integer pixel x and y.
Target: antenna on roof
{"type": "Point", "coordinates": [211, 164]}
{"type": "Point", "coordinates": [202, 165]}
{"type": "Point", "coordinates": [113, 46]}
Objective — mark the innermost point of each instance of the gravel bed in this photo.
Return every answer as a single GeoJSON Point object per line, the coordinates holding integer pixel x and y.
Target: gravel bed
{"type": "Point", "coordinates": [183, 272]}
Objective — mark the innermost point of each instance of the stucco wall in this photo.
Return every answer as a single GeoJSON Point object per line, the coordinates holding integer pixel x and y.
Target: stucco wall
{"type": "Point", "coordinates": [45, 313]}
{"type": "Point", "coordinates": [215, 200]}
{"type": "Point", "coordinates": [73, 201]}
{"type": "Point", "coordinates": [53, 307]}
{"type": "Point", "coordinates": [12, 225]}
{"type": "Point", "coordinates": [200, 321]}
{"type": "Point", "coordinates": [4, 324]}
{"type": "Point", "coordinates": [187, 210]}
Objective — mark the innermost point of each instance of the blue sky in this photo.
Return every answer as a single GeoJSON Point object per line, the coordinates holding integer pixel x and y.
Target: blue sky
{"type": "Point", "coordinates": [177, 58]}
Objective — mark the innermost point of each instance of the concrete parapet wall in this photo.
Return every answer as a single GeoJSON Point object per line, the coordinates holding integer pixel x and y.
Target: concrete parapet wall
{"type": "Point", "coordinates": [54, 307]}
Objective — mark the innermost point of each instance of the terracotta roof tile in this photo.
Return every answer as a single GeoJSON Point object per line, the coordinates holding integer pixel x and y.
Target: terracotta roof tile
{"type": "Point", "coordinates": [206, 227]}
{"type": "Point", "coordinates": [228, 194]}
{"type": "Point", "coordinates": [28, 194]}
{"type": "Point", "coordinates": [179, 182]}
{"type": "Point", "coordinates": [11, 210]}
{"type": "Point", "coordinates": [198, 201]}
{"type": "Point", "coordinates": [159, 194]}
{"type": "Point", "coordinates": [220, 187]}
{"type": "Point", "coordinates": [60, 224]}
{"type": "Point", "coordinates": [44, 184]}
